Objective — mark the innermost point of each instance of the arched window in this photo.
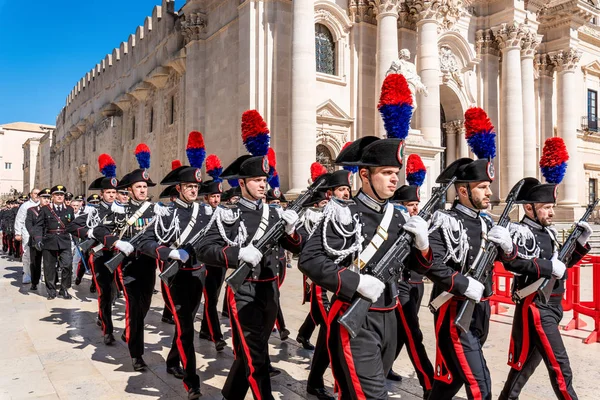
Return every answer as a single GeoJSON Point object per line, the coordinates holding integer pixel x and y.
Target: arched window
{"type": "Point", "coordinates": [325, 158]}
{"type": "Point", "coordinates": [325, 50]}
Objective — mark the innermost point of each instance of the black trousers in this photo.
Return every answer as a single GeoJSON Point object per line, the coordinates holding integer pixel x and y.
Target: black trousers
{"type": "Point", "coordinates": [410, 296]}
{"type": "Point", "coordinates": [103, 280]}
{"type": "Point", "coordinates": [361, 364]}
{"type": "Point", "coordinates": [280, 320]}
{"type": "Point", "coordinates": [137, 275]}
{"type": "Point", "coordinates": [4, 242]}
{"type": "Point", "coordinates": [35, 265]}
{"type": "Point", "coordinates": [252, 311]}
{"type": "Point", "coordinates": [10, 238]}
{"type": "Point", "coordinates": [184, 296]}
{"type": "Point", "coordinates": [307, 328]}
{"type": "Point", "coordinates": [459, 358]}
{"type": "Point", "coordinates": [319, 308]}
{"type": "Point", "coordinates": [212, 289]}
{"type": "Point", "coordinates": [57, 262]}
{"type": "Point", "coordinates": [545, 344]}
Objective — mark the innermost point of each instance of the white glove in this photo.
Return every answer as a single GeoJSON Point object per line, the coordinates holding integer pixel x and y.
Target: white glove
{"type": "Point", "coordinates": [419, 228]}
{"type": "Point", "coordinates": [558, 267]}
{"type": "Point", "coordinates": [370, 287]}
{"type": "Point", "coordinates": [250, 254]}
{"type": "Point", "coordinates": [585, 235]}
{"type": "Point", "coordinates": [290, 217]}
{"type": "Point", "coordinates": [180, 255]}
{"type": "Point", "coordinates": [475, 289]}
{"type": "Point", "coordinates": [124, 247]}
{"type": "Point", "coordinates": [90, 234]}
{"type": "Point", "coordinates": [500, 236]}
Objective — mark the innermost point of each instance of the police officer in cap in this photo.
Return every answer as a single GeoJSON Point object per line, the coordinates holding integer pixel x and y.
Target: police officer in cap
{"type": "Point", "coordinates": [52, 239]}
{"type": "Point", "coordinates": [30, 219]}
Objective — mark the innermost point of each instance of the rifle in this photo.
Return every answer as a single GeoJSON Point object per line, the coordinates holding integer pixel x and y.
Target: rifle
{"type": "Point", "coordinates": [114, 262]}
{"type": "Point", "coordinates": [544, 286]}
{"type": "Point", "coordinates": [484, 264]}
{"type": "Point", "coordinates": [272, 236]}
{"type": "Point", "coordinates": [390, 266]}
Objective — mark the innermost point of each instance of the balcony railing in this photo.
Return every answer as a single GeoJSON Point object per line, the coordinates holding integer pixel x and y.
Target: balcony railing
{"type": "Point", "coordinates": [589, 124]}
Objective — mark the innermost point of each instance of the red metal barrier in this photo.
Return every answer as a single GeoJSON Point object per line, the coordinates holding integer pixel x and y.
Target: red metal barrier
{"type": "Point", "coordinates": [589, 308]}
{"type": "Point", "coordinates": [502, 283]}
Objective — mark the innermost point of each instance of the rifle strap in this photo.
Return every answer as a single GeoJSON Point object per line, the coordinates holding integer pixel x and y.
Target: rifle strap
{"type": "Point", "coordinates": [188, 229]}
{"type": "Point", "coordinates": [50, 207]}
{"type": "Point", "coordinates": [264, 223]}
{"type": "Point", "coordinates": [380, 236]}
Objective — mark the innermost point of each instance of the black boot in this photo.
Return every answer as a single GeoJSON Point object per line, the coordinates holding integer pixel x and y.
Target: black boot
{"type": "Point", "coordinates": [138, 364]}
{"type": "Point", "coordinates": [306, 344]}
{"type": "Point", "coordinates": [194, 393]}
{"type": "Point", "coordinates": [392, 376]}
{"type": "Point", "coordinates": [177, 372]}
{"type": "Point", "coordinates": [321, 393]}
{"type": "Point", "coordinates": [109, 339]}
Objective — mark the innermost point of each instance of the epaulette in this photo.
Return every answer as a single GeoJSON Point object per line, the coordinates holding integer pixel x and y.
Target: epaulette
{"type": "Point", "coordinates": [161, 210]}
{"type": "Point", "coordinates": [445, 219]}
{"type": "Point", "coordinates": [487, 218]}
{"type": "Point", "coordinates": [338, 211]}
{"type": "Point", "coordinates": [117, 208]}
{"type": "Point", "coordinates": [227, 215]}
{"type": "Point", "coordinates": [208, 210]}
{"type": "Point", "coordinates": [522, 235]}
{"type": "Point", "coordinates": [453, 234]}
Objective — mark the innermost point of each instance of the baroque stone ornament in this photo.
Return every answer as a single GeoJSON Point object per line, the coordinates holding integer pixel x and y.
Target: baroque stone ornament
{"type": "Point", "coordinates": [543, 65]}
{"type": "Point", "coordinates": [566, 60]}
{"type": "Point", "coordinates": [193, 25]}
{"type": "Point", "coordinates": [446, 12]}
{"type": "Point", "coordinates": [486, 43]}
{"type": "Point", "coordinates": [510, 34]}
{"type": "Point", "coordinates": [530, 43]}
{"type": "Point", "coordinates": [385, 7]}
{"type": "Point", "coordinates": [449, 66]}
{"type": "Point", "coordinates": [361, 11]}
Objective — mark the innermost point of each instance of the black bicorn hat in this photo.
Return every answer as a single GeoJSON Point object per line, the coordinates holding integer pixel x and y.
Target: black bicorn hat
{"type": "Point", "coordinates": [534, 191]}
{"type": "Point", "coordinates": [45, 192]}
{"type": "Point", "coordinates": [142, 155]}
{"type": "Point", "coordinates": [247, 166]}
{"type": "Point", "coordinates": [211, 187]}
{"type": "Point", "coordinates": [468, 170]}
{"type": "Point", "coordinates": [168, 192]}
{"type": "Point", "coordinates": [371, 151]}
{"type": "Point", "coordinates": [93, 198]}
{"type": "Point", "coordinates": [230, 193]}
{"type": "Point", "coordinates": [316, 198]}
{"type": "Point", "coordinates": [108, 168]}
{"type": "Point", "coordinates": [338, 178]}
{"type": "Point", "coordinates": [406, 193]}
{"type": "Point", "coordinates": [275, 194]}
{"type": "Point", "coordinates": [58, 189]}
{"type": "Point", "coordinates": [183, 174]}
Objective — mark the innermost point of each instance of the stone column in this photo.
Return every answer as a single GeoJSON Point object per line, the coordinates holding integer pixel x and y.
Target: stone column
{"type": "Point", "coordinates": [509, 37]}
{"type": "Point", "coordinates": [528, 48]}
{"type": "Point", "coordinates": [463, 147]}
{"type": "Point", "coordinates": [452, 129]}
{"type": "Point", "coordinates": [546, 88]}
{"type": "Point", "coordinates": [387, 46]}
{"type": "Point", "coordinates": [303, 141]}
{"type": "Point", "coordinates": [566, 61]}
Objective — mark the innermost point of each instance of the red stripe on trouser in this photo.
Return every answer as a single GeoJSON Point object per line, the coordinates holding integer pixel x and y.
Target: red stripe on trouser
{"type": "Point", "coordinates": [413, 349]}
{"type": "Point", "coordinates": [127, 306]}
{"type": "Point", "coordinates": [518, 364]}
{"type": "Point", "coordinates": [99, 290]}
{"type": "Point", "coordinates": [335, 308]}
{"type": "Point", "coordinates": [460, 354]}
{"type": "Point", "coordinates": [440, 362]}
{"type": "Point", "coordinates": [206, 316]}
{"type": "Point", "coordinates": [562, 385]}
{"type": "Point", "coordinates": [345, 338]}
{"type": "Point", "coordinates": [233, 340]}
{"type": "Point", "coordinates": [233, 313]}
{"type": "Point", "coordinates": [178, 325]}
{"type": "Point", "coordinates": [319, 293]}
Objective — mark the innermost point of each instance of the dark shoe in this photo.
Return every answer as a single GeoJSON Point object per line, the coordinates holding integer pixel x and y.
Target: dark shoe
{"type": "Point", "coordinates": [109, 339]}
{"type": "Point", "coordinates": [138, 364]}
{"type": "Point", "coordinates": [306, 344]}
{"type": "Point", "coordinates": [33, 287]}
{"type": "Point", "coordinates": [284, 334]}
{"type": "Point", "coordinates": [392, 376]}
{"type": "Point", "coordinates": [177, 372]}
{"type": "Point", "coordinates": [166, 320]}
{"type": "Point", "coordinates": [273, 372]}
{"type": "Point", "coordinates": [98, 322]}
{"type": "Point", "coordinates": [51, 296]}
{"type": "Point", "coordinates": [321, 393]}
{"type": "Point", "coordinates": [220, 345]}
{"type": "Point", "coordinates": [426, 394]}
{"type": "Point", "coordinates": [194, 393]}
{"type": "Point", "coordinates": [77, 280]}
{"type": "Point", "coordinates": [64, 294]}
{"type": "Point", "coordinates": [205, 336]}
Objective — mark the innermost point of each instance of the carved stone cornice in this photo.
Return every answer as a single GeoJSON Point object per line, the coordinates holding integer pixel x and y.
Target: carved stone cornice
{"type": "Point", "coordinates": [193, 26]}
{"type": "Point", "coordinates": [486, 43]}
{"type": "Point", "coordinates": [383, 8]}
{"type": "Point", "coordinates": [530, 43]}
{"type": "Point", "coordinates": [454, 127]}
{"type": "Point", "coordinates": [510, 35]}
{"type": "Point", "coordinates": [361, 11]}
{"type": "Point", "coordinates": [566, 60]}
{"type": "Point", "coordinates": [445, 12]}
{"type": "Point", "coordinates": [570, 12]}
{"type": "Point", "coordinates": [543, 65]}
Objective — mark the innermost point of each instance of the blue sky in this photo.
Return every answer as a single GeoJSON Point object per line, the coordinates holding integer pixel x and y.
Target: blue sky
{"type": "Point", "coordinates": [47, 46]}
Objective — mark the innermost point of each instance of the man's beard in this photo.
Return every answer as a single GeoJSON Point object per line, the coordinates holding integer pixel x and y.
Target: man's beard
{"type": "Point", "coordinates": [478, 204]}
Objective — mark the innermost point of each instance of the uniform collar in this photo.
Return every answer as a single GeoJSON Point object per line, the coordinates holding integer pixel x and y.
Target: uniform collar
{"type": "Point", "coordinates": [371, 202]}
{"type": "Point", "coordinates": [182, 204]}
{"type": "Point", "coordinates": [469, 212]}
{"type": "Point", "coordinates": [135, 202]}
{"type": "Point", "coordinates": [253, 205]}
{"type": "Point", "coordinates": [105, 204]}
{"type": "Point", "coordinates": [531, 223]}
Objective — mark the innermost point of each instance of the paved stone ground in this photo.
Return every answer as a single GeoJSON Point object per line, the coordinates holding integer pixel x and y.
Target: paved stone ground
{"type": "Point", "coordinates": [53, 350]}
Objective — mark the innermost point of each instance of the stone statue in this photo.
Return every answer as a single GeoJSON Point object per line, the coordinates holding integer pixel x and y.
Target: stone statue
{"type": "Point", "coordinates": [403, 66]}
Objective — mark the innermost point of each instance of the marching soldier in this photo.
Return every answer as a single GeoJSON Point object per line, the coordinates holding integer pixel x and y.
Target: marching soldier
{"type": "Point", "coordinates": [84, 227]}
{"type": "Point", "coordinates": [35, 265]}
{"type": "Point", "coordinates": [54, 242]}
{"type": "Point", "coordinates": [172, 194]}
{"type": "Point", "coordinates": [168, 242]}
{"type": "Point", "coordinates": [81, 208]}
{"type": "Point", "coordinates": [535, 332]}
{"type": "Point", "coordinates": [9, 228]}
{"type": "Point", "coordinates": [22, 235]}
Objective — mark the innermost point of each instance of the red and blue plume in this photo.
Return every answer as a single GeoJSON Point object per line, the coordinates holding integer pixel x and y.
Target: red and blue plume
{"type": "Point", "coordinates": [233, 182]}
{"type": "Point", "coordinates": [213, 167]}
{"type": "Point", "coordinates": [554, 160]}
{"type": "Point", "coordinates": [274, 180]}
{"type": "Point", "coordinates": [107, 166]}
{"type": "Point", "coordinates": [480, 133]}
{"type": "Point", "coordinates": [352, 168]}
{"type": "Point", "coordinates": [396, 106]}
{"type": "Point", "coordinates": [195, 150]}
{"type": "Point", "coordinates": [175, 164]}
{"type": "Point", "coordinates": [142, 154]}
{"type": "Point", "coordinates": [272, 162]}
{"type": "Point", "coordinates": [255, 133]}
{"type": "Point", "coordinates": [316, 170]}
{"type": "Point", "coordinates": [415, 170]}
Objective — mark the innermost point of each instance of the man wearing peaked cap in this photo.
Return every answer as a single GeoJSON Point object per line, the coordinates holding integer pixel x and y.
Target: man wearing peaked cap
{"type": "Point", "coordinates": [54, 242]}
{"type": "Point", "coordinates": [21, 234]}
{"type": "Point", "coordinates": [93, 199]}
{"type": "Point", "coordinates": [535, 334]}
{"type": "Point", "coordinates": [30, 220]}
{"type": "Point", "coordinates": [253, 308]}
{"type": "Point", "coordinates": [170, 242]}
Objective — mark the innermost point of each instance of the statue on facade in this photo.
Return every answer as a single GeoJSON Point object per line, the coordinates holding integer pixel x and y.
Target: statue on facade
{"type": "Point", "coordinates": [403, 66]}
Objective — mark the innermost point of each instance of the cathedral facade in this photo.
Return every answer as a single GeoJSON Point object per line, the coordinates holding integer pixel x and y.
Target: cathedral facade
{"type": "Point", "coordinates": [314, 68]}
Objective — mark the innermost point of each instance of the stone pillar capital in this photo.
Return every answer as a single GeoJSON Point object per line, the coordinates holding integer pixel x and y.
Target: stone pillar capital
{"type": "Point", "coordinates": [544, 65]}
{"type": "Point", "coordinates": [453, 127]}
{"type": "Point", "coordinates": [444, 12]}
{"type": "Point", "coordinates": [565, 60]}
{"type": "Point", "coordinates": [510, 35]}
{"type": "Point", "coordinates": [529, 44]}
{"type": "Point", "coordinates": [193, 26]}
{"type": "Point", "coordinates": [485, 42]}
{"type": "Point", "coordinates": [385, 8]}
